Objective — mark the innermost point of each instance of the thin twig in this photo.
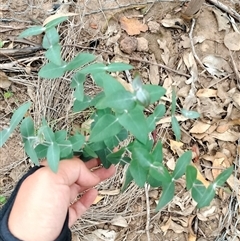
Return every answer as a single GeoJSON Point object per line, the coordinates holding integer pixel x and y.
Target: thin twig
{"type": "Point", "coordinates": [192, 44]}
{"type": "Point", "coordinates": [148, 212]}
{"type": "Point", "coordinates": [226, 9]}
{"type": "Point", "coordinates": [130, 58]}
{"type": "Point", "coordinates": [235, 69]}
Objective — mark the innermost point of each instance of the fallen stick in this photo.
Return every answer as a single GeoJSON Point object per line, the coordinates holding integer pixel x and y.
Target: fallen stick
{"type": "Point", "coordinates": [226, 9]}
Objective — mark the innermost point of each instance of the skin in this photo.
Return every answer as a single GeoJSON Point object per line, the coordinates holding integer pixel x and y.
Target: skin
{"type": "Point", "coordinates": [44, 198]}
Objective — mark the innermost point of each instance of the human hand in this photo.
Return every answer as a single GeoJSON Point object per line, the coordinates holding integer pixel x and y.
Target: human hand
{"type": "Point", "coordinates": [44, 198]}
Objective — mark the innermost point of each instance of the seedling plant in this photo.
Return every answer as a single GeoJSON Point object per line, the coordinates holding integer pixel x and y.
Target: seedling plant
{"type": "Point", "coordinates": [118, 113]}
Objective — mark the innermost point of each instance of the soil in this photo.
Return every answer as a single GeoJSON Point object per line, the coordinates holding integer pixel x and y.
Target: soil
{"type": "Point", "coordinates": [215, 98]}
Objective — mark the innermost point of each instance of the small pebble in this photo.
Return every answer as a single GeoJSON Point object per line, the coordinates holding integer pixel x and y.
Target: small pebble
{"type": "Point", "coordinates": [128, 45]}
{"type": "Point", "coordinates": [153, 26]}
{"type": "Point", "coordinates": [142, 45]}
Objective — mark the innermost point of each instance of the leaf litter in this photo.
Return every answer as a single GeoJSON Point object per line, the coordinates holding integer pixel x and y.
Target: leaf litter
{"type": "Point", "coordinates": [212, 91]}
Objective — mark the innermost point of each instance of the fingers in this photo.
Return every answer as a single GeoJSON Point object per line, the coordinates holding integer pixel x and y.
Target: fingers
{"type": "Point", "coordinates": [80, 207]}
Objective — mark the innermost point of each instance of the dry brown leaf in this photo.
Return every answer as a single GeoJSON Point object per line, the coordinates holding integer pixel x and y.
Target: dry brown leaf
{"type": "Point", "coordinates": [186, 41]}
{"type": "Point", "coordinates": [206, 93]}
{"type": "Point", "coordinates": [166, 53]}
{"type": "Point", "coordinates": [223, 127]}
{"type": "Point", "coordinates": [109, 192]}
{"type": "Point", "coordinates": [173, 23]}
{"type": "Point", "coordinates": [236, 98]}
{"type": "Point", "coordinates": [229, 135]}
{"type": "Point", "coordinates": [222, 20]}
{"type": "Point", "coordinates": [176, 146]}
{"type": "Point", "coordinates": [200, 177]}
{"type": "Point", "coordinates": [119, 221]}
{"type": "Point", "coordinates": [98, 199]}
{"type": "Point", "coordinates": [4, 81]}
{"type": "Point", "coordinates": [200, 128]}
{"type": "Point", "coordinates": [220, 161]}
{"type": "Point", "coordinates": [168, 119]}
{"type": "Point", "coordinates": [154, 71]}
{"type": "Point", "coordinates": [232, 41]}
{"type": "Point", "coordinates": [132, 26]}
{"type": "Point", "coordinates": [192, 67]}
{"type": "Point", "coordinates": [191, 235]}
{"type": "Point", "coordinates": [171, 163]}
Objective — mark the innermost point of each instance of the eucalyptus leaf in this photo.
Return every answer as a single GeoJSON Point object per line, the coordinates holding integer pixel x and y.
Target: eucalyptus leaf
{"type": "Point", "coordinates": [176, 128]}
{"type": "Point", "coordinates": [182, 162]}
{"type": "Point", "coordinates": [51, 70]}
{"type": "Point", "coordinates": [51, 37]}
{"type": "Point", "coordinates": [198, 190]}
{"type": "Point", "coordinates": [89, 151]}
{"type": "Point", "coordinates": [207, 197]}
{"type": "Point", "coordinates": [106, 126]}
{"type": "Point", "coordinates": [78, 79]}
{"type": "Point", "coordinates": [102, 155]}
{"type": "Point", "coordinates": [60, 135]}
{"type": "Point", "coordinates": [53, 54]}
{"type": "Point", "coordinates": [79, 92]}
{"type": "Point", "coordinates": [138, 172]}
{"type": "Point", "coordinates": [36, 30]}
{"type": "Point", "coordinates": [143, 156]}
{"type": "Point", "coordinates": [191, 176]}
{"type": "Point", "coordinates": [80, 60]}
{"type": "Point", "coordinates": [81, 105]}
{"type": "Point", "coordinates": [222, 177]}
{"type": "Point", "coordinates": [190, 114]}
{"type": "Point", "coordinates": [65, 148]}
{"type": "Point", "coordinates": [53, 156]}
{"type": "Point", "coordinates": [135, 122]}
{"type": "Point", "coordinates": [155, 91]}
{"type": "Point", "coordinates": [94, 69]}
{"type": "Point", "coordinates": [166, 196]}
{"type": "Point", "coordinates": [159, 172]}
{"type": "Point", "coordinates": [143, 97]}
{"type": "Point", "coordinates": [41, 151]}
{"type": "Point", "coordinates": [48, 134]}
{"type": "Point", "coordinates": [31, 152]}
{"type": "Point", "coordinates": [157, 153]}
{"type": "Point", "coordinates": [121, 100]}
{"type": "Point", "coordinates": [128, 180]}
{"type": "Point", "coordinates": [114, 67]}
{"type": "Point", "coordinates": [77, 141]}
{"type": "Point", "coordinates": [15, 120]}
{"type": "Point", "coordinates": [55, 22]}
{"type": "Point", "coordinates": [27, 128]}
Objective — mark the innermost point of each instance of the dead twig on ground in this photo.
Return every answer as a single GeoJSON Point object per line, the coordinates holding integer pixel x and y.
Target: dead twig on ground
{"type": "Point", "coordinates": [192, 44]}
{"type": "Point", "coordinates": [235, 69]}
{"type": "Point", "coordinates": [148, 212]}
{"type": "Point", "coordinates": [226, 9]}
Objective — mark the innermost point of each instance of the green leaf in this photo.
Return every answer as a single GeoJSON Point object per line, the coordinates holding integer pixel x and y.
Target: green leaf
{"type": "Point", "coordinates": [114, 67]}
{"type": "Point", "coordinates": [53, 54]}
{"type": "Point", "coordinates": [137, 83]}
{"type": "Point", "coordinates": [94, 68]}
{"type": "Point", "coordinates": [113, 141]}
{"type": "Point", "coordinates": [121, 100]}
{"type": "Point", "coordinates": [50, 38]}
{"type": "Point", "coordinates": [157, 153]}
{"type": "Point", "coordinates": [48, 133]}
{"type": "Point", "coordinates": [156, 116]}
{"type": "Point", "coordinates": [182, 162]}
{"type": "Point", "coordinates": [174, 102]}
{"type": "Point", "coordinates": [3, 200]}
{"type": "Point", "coordinates": [36, 30]}
{"type": "Point", "coordinates": [142, 156]}
{"type": "Point", "coordinates": [135, 122]}
{"type": "Point", "coordinates": [128, 180]}
{"type": "Point", "coordinates": [155, 91]}
{"type": "Point", "coordinates": [65, 148]}
{"type": "Point", "coordinates": [97, 98]}
{"type": "Point", "coordinates": [77, 141]}
{"type": "Point", "coordinates": [222, 177]}
{"type": "Point", "coordinates": [27, 128]}
{"type": "Point", "coordinates": [78, 79]}
{"type": "Point", "coordinates": [89, 151]}
{"type": "Point", "coordinates": [106, 126]}
{"type": "Point", "coordinates": [108, 83]}
{"type": "Point", "coordinates": [31, 152]}
{"type": "Point", "coordinates": [191, 176]}
{"type": "Point", "coordinates": [207, 197]}
{"type": "Point", "coordinates": [53, 156]}
{"type": "Point", "coordinates": [15, 120]}
{"type": "Point", "coordinates": [138, 172]}
{"type": "Point", "coordinates": [143, 97]}
{"type": "Point", "coordinates": [137, 144]}
{"type": "Point", "coordinates": [41, 151]}
{"type": "Point", "coordinates": [60, 135]}
{"type": "Point", "coordinates": [198, 190]}
{"type": "Point", "coordinates": [190, 114]}
{"type": "Point", "coordinates": [79, 92]}
{"type": "Point", "coordinates": [81, 105]}
{"type": "Point", "coordinates": [80, 60]}
{"type": "Point", "coordinates": [176, 128]}
{"type": "Point", "coordinates": [51, 71]}
{"type": "Point", "coordinates": [55, 22]}
{"type": "Point", "coordinates": [153, 182]}
{"type": "Point", "coordinates": [96, 146]}
{"type": "Point", "coordinates": [102, 155]}
{"type": "Point", "coordinates": [159, 172]}
{"type": "Point", "coordinates": [167, 196]}
{"type": "Point", "coordinates": [115, 157]}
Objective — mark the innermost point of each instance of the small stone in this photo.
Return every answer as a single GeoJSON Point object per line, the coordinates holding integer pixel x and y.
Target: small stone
{"type": "Point", "coordinates": [153, 26]}
{"type": "Point", "coordinates": [128, 45]}
{"type": "Point", "coordinates": [142, 45]}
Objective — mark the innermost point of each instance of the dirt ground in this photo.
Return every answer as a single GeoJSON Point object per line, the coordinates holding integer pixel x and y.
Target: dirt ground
{"type": "Point", "coordinates": [200, 59]}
